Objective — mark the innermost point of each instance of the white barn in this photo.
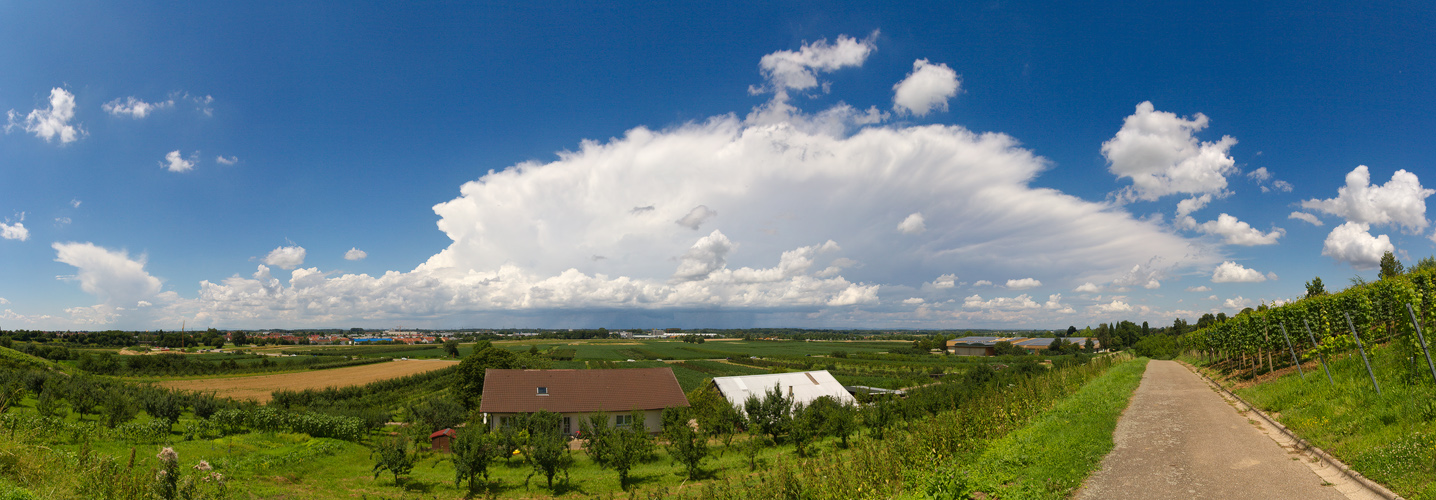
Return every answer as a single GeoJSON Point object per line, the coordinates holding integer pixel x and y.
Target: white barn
{"type": "Point", "coordinates": [803, 387]}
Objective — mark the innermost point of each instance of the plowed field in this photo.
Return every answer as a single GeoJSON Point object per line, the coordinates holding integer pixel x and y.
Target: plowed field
{"type": "Point", "coordinates": [258, 387]}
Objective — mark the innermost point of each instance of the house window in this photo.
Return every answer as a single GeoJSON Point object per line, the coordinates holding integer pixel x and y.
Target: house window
{"type": "Point", "coordinates": [543, 391]}
{"type": "Point", "coordinates": [568, 425]}
{"type": "Point", "coordinates": [622, 420]}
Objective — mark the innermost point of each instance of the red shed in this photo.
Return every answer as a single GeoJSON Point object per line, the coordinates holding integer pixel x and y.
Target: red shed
{"type": "Point", "coordinates": [439, 441]}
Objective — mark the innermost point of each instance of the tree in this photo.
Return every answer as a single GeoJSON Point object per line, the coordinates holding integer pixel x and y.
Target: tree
{"type": "Point", "coordinates": [437, 412]}
{"type": "Point", "coordinates": [834, 418]}
{"type": "Point", "coordinates": [1071, 330]}
{"type": "Point", "coordinates": [1390, 267]}
{"type": "Point", "coordinates": [392, 455]}
{"type": "Point", "coordinates": [770, 414]}
{"type": "Point", "coordinates": [239, 338]}
{"type": "Point", "coordinates": [685, 443]}
{"type": "Point", "coordinates": [617, 447]}
{"type": "Point", "coordinates": [717, 418]}
{"type": "Point", "coordinates": [1315, 288]}
{"type": "Point", "coordinates": [548, 447]}
{"type": "Point", "coordinates": [451, 347]}
{"type": "Point", "coordinates": [1425, 264]}
{"type": "Point", "coordinates": [51, 403]}
{"type": "Point", "coordinates": [473, 450]}
{"type": "Point", "coordinates": [1089, 346]}
{"type": "Point", "coordinates": [1206, 320]}
{"type": "Point", "coordinates": [1006, 348]}
{"type": "Point", "coordinates": [470, 384]}
{"type": "Point", "coordinates": [117, 408]}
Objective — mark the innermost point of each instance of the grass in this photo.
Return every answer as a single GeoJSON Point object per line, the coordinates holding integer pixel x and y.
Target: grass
{"type": "Point", "coordinates": [1388, 437]}
{"type": "Point", "coordinates": [1054, 454]}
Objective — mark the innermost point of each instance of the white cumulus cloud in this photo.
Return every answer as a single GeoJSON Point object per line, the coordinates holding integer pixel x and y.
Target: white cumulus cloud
{"type": "Point", "coordinates": [1088, 287]}
{"type": "Point", "coordinates": [174, 162]}
{"type": "Point", "coordinates": [1399, 202]}
{"type": "Point", "coordinates": [927, 88]}
{"type": "Point", "coordinates": [1236, 232]}
{"type": "Point", "coordinates": [135, 108]}
{"type": "Point", "coordinates": [913, 224]}
{"type": "Point", "coordinates": [1303, 216]}
{"type": "Point", "coordinates": [1238, 303]}
{"type": "Point", "coordinates": [1023, 284]}
{"type": "Point", "coordinates": [1116, 306]}
{"type": "Point", "coordinates": [1160, 153]}
{"type": "Point", "coordinates": [14, 231]}
{"type": "Point", "coordinates": [52, 122]}
{"type": "Point", "coordinates": [979, 283]}
{"type": "Point", "coordinates": [288, 257]}
{"type": "Point", "coordinates": [1352, 243]}
{"type": "Point", "coordinates": [945, 281]}
{"type": "Point", "coordinates": [1202, 288]}
{"type": "Point", "coordinates": [913, 301]}
{"type": "Point", "coordinates": [1003, 303]}
{"type": "Point", "coordinates": [355, 254]}
{"type": "Point", "coordinates": [797, 69]}
{"type": "Point", "coordinates": [1231, 272]}
{"type": "Point", "coordinates": [226, 160]}
{"type": "Point", "coordinates": [110, 275]}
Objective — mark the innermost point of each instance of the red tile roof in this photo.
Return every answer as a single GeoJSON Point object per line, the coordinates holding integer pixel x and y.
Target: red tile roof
{"type": "Point", "coordinates": [580, 391]}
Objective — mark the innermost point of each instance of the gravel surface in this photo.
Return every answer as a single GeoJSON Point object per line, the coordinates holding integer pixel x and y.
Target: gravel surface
{"type": "Point", "coordinates": [1180, 439]}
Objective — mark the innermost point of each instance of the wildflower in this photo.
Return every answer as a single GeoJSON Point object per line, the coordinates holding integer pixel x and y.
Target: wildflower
{"type": "Point", "coordinates": [168, 455]}
{"type": "Point", "coordinates": [202, 465]}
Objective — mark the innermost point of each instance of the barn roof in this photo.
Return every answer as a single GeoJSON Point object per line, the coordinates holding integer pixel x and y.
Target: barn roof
{"type": "Point", "coordinates": [580, 391]}
{"type": "Point", "coordinates": [804, 386]}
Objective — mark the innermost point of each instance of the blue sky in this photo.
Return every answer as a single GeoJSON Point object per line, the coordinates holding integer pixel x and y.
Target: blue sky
{"type": "Point", "coordinates": [813, 165]}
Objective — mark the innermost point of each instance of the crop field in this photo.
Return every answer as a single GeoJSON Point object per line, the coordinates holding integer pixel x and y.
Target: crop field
{"type": "Point", "coordinates": [259, 387]}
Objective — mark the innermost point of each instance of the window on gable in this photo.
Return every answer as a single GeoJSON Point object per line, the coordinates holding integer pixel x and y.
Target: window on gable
{"type": "Point", "coordinates": [543, 391]}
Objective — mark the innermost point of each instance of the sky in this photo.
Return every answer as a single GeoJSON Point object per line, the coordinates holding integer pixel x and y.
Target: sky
{"type": "Point", "coordinates": [635, 165]}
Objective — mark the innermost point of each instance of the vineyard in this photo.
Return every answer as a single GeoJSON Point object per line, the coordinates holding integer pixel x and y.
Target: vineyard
{"type": "Point", "coordinates": [1349, 371]}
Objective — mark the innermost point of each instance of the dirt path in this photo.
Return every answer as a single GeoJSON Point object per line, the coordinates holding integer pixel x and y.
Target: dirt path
{"type": "Point", "coordinates": [258, 387]}
{"type": "Point", "coordinates": [1180, 439]}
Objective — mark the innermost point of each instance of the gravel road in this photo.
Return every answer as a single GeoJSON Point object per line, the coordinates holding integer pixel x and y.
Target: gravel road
{"type": "Point", "coordinates": [1180, 439]}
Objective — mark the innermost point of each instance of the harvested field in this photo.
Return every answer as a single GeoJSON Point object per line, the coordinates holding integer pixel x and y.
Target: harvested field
{"type": "Point", "coordinates": [258, 387]}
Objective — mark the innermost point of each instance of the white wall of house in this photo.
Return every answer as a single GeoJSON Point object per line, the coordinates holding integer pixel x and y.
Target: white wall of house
{"type": "Point", "coordinates": [653, 420]}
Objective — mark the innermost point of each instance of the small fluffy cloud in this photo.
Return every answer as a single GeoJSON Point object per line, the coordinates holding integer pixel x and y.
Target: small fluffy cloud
{"type": "Point", "coordinates": [789, 69]}
{"type": "Point", "coordinates": [945, 281]}
{"type": "Point", "coordinates": [1160, 153]}
{"type": "Point", "coordinates": [1088, 287]}
{"type": "Point", "coordinates": [1202, 288]}
{"type": "Point", "coordinates": [1236, 232]}
{"type": "Point", "coordinates": [1116, 306]}
{"type": "Point", "coordinates": [1238, 303]}
{"type": "Point", "coordinates": [112, 276]}
{"type": "Point", "coordinates": [1260, 174]}
{"type": "Point", "coordinates": [287, 258]}
{"type": "Point", "coordinates": [1192, 204]}
{"type": "Point", "coordinates": [913, 301]}
{"type": "Point", "coordinates": [979, 283]}
{"type": "Point", "coordinates": [135, 108]}
{"type": "Point", "coordinates": [1147, 276]}
{"type": "Point", "coordinates": [355, 254]}
{"type": "Point", "coordinates": [1399, 202]}
{"type": "Point", "coordinates": [226, 160]}
{"type": "Point", "coordinates": [927, 88]}
{"type": "Point", "coordinates": [1003, 303]}
{"type": "Point", "coordinates": [1352, 243]}
{"type": "Point", "coordinates": [697, 217]}
{"type": "Point", "coordinates": [707, 255]}
{"type": "Point", "coordinates": [1054, 303]}
{"type": "Point", "coordinates": [14, 231]}
{"type": "Point", "coordinates": [1231, 272]}
{"type": "Point", "coordinates": [913, 224]}
{"type": "Point", "coordinates": [49, 123]}
{"type": "Point", "coordinates": [1303, 216]}
{"type": "Point", "coordinates": [1023, 284]}
{"type": "Point", "coordinates": [176, 163]}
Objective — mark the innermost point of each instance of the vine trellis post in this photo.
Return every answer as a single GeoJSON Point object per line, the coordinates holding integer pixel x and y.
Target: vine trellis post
{"type": "Point", "coordinates": [1422, 338]}
{"type": "Point", "coordinates": [1319, 355]}
{"type": "Point", "coordinates": [1294, 359]}
{"type": "Point", "coordinates": [1361, 348]}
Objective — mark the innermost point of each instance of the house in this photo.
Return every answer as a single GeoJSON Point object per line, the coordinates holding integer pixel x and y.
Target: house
{"type": "Point", "coordinates": [978, 346]}
{"type": "Point", "coordinates": [439, 440]}
{"type": "Point", "coordinates": [802, 387]}
{"type": "Point", "coordinates": [576, 394]}
{"type": "Point", "coordinates": [986, 346]}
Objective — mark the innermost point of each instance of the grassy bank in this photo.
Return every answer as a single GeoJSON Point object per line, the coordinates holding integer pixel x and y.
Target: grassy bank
{"type": "Point", "coordinates": [1389, 437]}
{"type": "Point", "coordinates": [1054, 454]}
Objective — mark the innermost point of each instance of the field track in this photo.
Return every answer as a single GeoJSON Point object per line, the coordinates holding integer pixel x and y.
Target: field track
{"type": "Point", "coordinates": [258, 387]}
